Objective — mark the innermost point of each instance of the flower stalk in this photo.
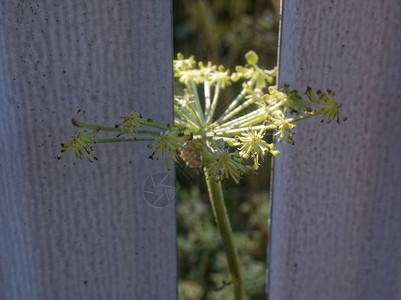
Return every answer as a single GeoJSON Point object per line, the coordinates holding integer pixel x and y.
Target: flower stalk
{"type": "Point", "coordinates": [223, 224]}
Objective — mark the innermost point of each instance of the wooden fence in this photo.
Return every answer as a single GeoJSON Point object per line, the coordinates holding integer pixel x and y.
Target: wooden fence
{"type": "Point", "coordinates": [336, 216]}
{"type": "Point", "coordinates": [70, 229]}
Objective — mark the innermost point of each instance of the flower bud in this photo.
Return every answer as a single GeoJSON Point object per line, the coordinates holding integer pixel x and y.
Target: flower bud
{"type": "Point", "coordinates": [275, 153]}
{"type": "Point", "coordinates": [235, 77]}
{"type": "Point", "coordinates": [252, 58]}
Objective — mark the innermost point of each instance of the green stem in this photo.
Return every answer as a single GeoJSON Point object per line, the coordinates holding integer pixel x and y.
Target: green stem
{"type": "Point", "coordinates": [239, 109]}
{"type": "Point", "coordinates": [252, 118]}
{"type": "Point", "coordinates": [151, 124]}
{"type": "Point", "coordinates": [214, 103]}
{"type": "Point", "coordinates": [206, 88]}
{"type": "Point", "coordinates": [112, 129]}
{"type": "Point", "coordinates": [103, 141]}
{"type": "Point", "coordinates": [185, 124]}
{"type": "Point", "coordinates": [223, 224]}
{"type": "Point", "coordinates": [230, 132]}
{"type": "Point", "coordinates": [188, 117]}
{"type": "Point", "coordinates": [302, 118]}
{"type": "Point", "coordinates": [233, 105]}
{"type": "Point", "coordinates": [191, 86]}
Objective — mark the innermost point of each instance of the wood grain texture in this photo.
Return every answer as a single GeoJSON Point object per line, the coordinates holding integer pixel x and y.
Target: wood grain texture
{"type": "Point", "coordinates": [336, 216]}
{"type": "Point", "coordinates": [71, 229]}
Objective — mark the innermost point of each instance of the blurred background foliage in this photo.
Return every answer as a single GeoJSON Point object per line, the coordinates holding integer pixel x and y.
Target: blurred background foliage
{"type": "Point", "coordinates": [222, 31]}
{"type": "Point", "coordinates": [202, 263]}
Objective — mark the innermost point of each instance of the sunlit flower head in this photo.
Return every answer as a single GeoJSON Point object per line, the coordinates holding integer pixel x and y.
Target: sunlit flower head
{"type": "Point", "coordinates": [220, 76]}
{"type": "Point", "coordinates": [182, 63]}
{"type": "Point", "coordinates": [253, 145]}
{"type": "Point", "coordinates": [284, 126]}
{"type": "Point", "coordinates": [220, 137]}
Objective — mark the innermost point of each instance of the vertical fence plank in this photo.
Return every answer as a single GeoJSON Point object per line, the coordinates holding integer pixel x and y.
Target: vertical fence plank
{"type": "Point", "coordinates": [336, 216]}
{"type": "Point", "coordinates": [70, 229]}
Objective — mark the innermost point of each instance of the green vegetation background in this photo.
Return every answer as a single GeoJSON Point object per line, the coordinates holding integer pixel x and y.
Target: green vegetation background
{"type": "Point", "coordinates": [222, 31]}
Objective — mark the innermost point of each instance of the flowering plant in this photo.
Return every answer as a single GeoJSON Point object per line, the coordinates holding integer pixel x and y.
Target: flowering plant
{"type": "Point", "coordinates": [224, 143]}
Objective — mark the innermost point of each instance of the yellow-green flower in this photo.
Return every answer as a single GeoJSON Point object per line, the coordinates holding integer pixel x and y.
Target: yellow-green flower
{"type": "Point", "coordinates": [184, 101]}
{"type": "Point", "coordinates": [221, 76]}
{"type": "Point", "coordinates": [331, 109]}
{"type": "Point", "coordinates": [171, 142]}
{"type": "Point", "coordinates": [81, 145]}
{"type": "Point", "coordinates": [242, 72]}
{"type": "Point", "coordinates": [275, 96]}
{"type": "Point", "coordinates": [258, 78]}
{"type": "Point", "coordinates": [253, 144]}
{"type": "Point", "coordinates": [130, 123]}
{"type": "Point", "coordinates": [221, 164]}
{"type": "Point", "coordinates": [262, 78]}
{"type": "Point", "coordinates": [207, 69]}
{"type": "Point", "coordinates": [296, 103]}
{"type": "Point", "coordinates": [187, 76]}
{"type": "Point", "coordinates": [284, 127]}
{"type": "Point", "coordinates": [181, 63]}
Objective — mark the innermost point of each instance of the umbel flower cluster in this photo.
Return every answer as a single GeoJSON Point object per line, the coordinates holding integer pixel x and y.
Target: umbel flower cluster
{"type": "Point", "coordinates": [227, 140]}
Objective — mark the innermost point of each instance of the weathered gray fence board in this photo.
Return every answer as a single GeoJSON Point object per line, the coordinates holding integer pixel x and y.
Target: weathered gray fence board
{"type": "Point", "coordinates": [70, 229]}
{"type": "Point", "coordinates": [336, 217]}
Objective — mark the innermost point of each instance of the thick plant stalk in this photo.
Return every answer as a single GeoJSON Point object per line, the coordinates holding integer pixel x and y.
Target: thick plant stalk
{"type": "Point", "coordinates": [223, 223]}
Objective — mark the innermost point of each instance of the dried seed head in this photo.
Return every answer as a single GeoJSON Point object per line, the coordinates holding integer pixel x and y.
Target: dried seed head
{"type": "Point", "coordinates": [191, 155]}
